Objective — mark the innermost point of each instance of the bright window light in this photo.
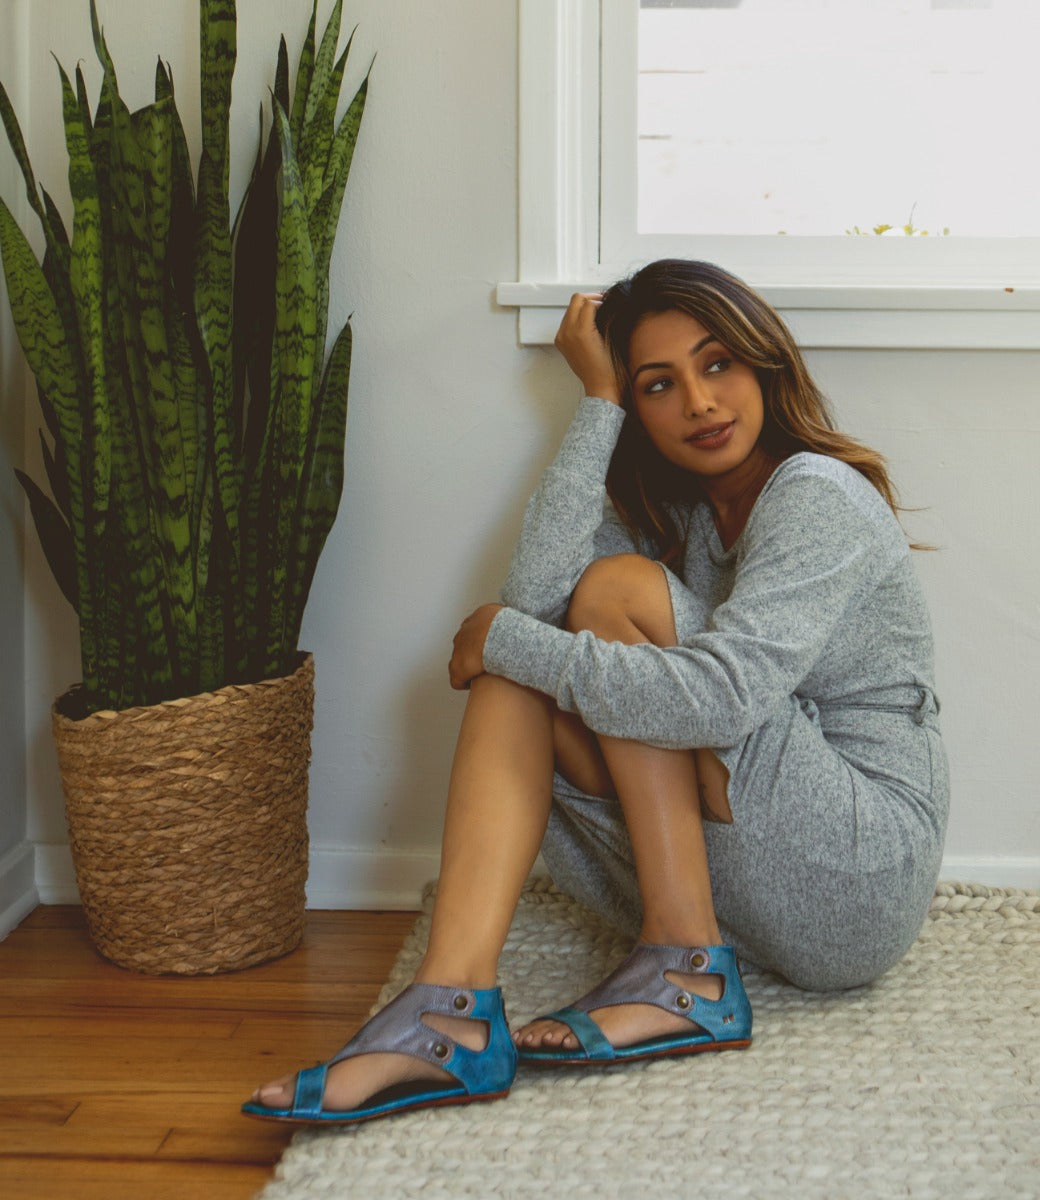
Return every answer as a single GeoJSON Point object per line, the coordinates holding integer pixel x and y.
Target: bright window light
{"type": "Point", "coordinates": [824, 117]}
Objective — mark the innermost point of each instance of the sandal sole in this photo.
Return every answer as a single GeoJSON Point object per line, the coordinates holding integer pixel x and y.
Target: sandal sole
{"type": "Point", "coordinates": [569, 1060]}
{"type": "Point", "coordinates": [349, 1119]}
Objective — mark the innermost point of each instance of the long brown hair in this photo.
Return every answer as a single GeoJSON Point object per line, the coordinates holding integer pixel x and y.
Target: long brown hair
{"type": "Point", "coordinates": [643, 486]}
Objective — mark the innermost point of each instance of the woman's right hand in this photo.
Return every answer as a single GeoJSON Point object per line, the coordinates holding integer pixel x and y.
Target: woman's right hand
{"type": "Point", "coordinates": [582, 345]}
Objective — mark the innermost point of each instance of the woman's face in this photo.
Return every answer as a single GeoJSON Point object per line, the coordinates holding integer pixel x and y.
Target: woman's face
{"type": "Point", "coordinates": [701, 407]}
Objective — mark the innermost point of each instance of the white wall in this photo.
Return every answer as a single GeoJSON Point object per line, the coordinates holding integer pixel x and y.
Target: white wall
{"type": "Point", "coordinates": [451, 423]}
{"type": "Point", "coordinates": [962, 434]}
{"type": "Point", "coordinates": [17, 889]}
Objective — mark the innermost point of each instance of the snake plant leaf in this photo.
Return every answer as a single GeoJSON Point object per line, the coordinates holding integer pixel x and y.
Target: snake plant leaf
{"type": "Point", "coordinates": [50, 467]}
{"type": "Point", "coordinates": [90, 499]}
{"type": "Point", "coordinates": [211, 583]}
{"type": "Point", "coordinates": [86, 277]}
{"type": "Point", "coordinates": [101, 48]}
{"type": "Point", "coordinates": [296, 323]}
{"type": "Point", "coordinates": [83, 100]}
{"type": "Point", "coordinates": [38, 323]}
{"type": "Point", "coordinates": [163, 80]}
{"type": "Point", "coordinates": [325, 218]}
{"type": "Point", "coordinates": [57, 264]}
{"type": "Point", "coordinates": [130, 567]}
{"type": "Point", "coordinates": [342, 152]}
{"type": "Point", "coordinates": [323, 63]}
{"type": "Point", "coordinates": [56, 259]}
{"type": "Point", "coordinates": [304, 71]}
{"type": "Point", "coordinates": [42, 336]}
{"type": "Point", "coordinates": [55, 538]}
{"type": "Point", "coordinates": [318, 133]}
{"type": "Point", "coordinates": [281, 75]}
{"type": "Point", "coordinates": [144, 146]}
{"type": "Point", "coordinates": [295, 295]}
{"type": "Point", "coordinates": [213, 255]}
{"type": "Point", "coordinates": [56, 467]}
{"type": "Point", "coordinates": [14, 136]}
{"type": "Point", "coordinates": [50, 417]}
{"type": "Point", "coordinates": [249, 236]}
{"type": "Point", "coordinates": [133, 569]}
{"type": "Point", "coordinates": [182, 232]}
{"type": "Point", "coordinates": [185, 346]}
{"type": "Point", "coordinates": [138, 571]}
{"type": "Point", "coordinates": [323, 478]}
{"type": "Point", "coordinates": [102, 114]}
{"type": "Point", "coordinates": [256, 251]}
{"type": "Point", "coordinates": [60, 245]}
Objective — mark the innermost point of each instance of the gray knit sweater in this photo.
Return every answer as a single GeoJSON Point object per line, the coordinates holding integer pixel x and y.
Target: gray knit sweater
{"type": "Point", "coordinates": [816, 599]}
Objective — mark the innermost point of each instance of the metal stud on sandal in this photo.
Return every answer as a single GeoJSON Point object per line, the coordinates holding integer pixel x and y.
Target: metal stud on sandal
{"type": "Point", "coordinates": [399, 1028]}
{"type": "Point", "coordinates": [642, 978]}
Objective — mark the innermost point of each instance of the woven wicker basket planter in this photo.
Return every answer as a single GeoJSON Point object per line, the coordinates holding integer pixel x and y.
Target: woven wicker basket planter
{"type": "Point", "coordinates": [188, 825]}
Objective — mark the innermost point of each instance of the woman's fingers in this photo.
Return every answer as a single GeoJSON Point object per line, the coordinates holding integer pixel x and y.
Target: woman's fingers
{"type": "Point", "coordinates": [467, 659]}
{"type": "Point", "coordinates": [582, 345]}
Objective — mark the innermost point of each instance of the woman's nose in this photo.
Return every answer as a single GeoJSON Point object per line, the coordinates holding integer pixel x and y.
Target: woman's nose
{"type": "Point", "coordinates": [698, 400]}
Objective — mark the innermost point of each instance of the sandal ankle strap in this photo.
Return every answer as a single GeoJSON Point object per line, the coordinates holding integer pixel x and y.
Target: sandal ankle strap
{"type": "Point", "coordinates": [641, 979]}
{"type": "Point", "coordinates": [399, 1028]}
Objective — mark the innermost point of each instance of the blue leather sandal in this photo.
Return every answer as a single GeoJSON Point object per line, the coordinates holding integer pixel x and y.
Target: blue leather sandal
{"type": "Point", "coordinates": [723, 1024]}
{"type": "Point", "coordinates": [399, 1028]}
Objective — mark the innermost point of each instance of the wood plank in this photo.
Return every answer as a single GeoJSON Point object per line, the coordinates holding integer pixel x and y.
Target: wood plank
{"type": "Point", "coordinates": [132, 1023]}
{"type": "Point", "coordinates": [107, 1179]}
{"type": "Point", "coordinates": [36, 1111]}
{"type": "Point", "coordinates": [118, 1084]}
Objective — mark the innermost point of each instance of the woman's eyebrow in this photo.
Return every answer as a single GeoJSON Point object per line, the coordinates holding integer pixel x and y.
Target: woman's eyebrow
{"type": "Point", "coordinates": [657, 366]}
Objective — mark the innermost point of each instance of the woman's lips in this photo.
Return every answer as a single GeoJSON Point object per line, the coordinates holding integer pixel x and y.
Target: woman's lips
{"type": "Point", "coordinates": [712, 438]}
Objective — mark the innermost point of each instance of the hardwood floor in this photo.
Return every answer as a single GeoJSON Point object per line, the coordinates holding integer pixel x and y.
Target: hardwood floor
{"type": "Point", "coordinates": [121, 1085]}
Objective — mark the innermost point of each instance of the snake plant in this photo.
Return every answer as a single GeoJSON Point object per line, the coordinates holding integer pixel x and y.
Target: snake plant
{"type": "Point", "coordinates": [194, 424]}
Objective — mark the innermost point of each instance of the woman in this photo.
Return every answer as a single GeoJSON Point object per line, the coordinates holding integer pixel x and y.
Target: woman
{"type": "Point", "coordinates": [711, 708]}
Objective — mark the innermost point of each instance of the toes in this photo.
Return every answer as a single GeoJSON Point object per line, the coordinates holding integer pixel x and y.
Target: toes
{"type": "Point", "coordinates": [548, 1036]}
{"type": "Point", "coordinates": [273, 1095]}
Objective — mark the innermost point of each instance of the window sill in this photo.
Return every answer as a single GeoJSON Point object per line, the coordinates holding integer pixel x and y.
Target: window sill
{"type": "Point", "coordinates": [828, 317]}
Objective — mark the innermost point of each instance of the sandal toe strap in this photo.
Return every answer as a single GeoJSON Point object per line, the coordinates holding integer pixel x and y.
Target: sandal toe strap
{"type": "Point", "coordinates": [585, 1029]}
{"type": "Point", "coordinates": [310, 1090]}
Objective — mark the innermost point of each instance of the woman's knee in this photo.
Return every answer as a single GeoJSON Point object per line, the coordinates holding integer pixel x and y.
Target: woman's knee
{"type": "Point", "coordinates": [621, 595]}
{"type": "Point", "coordinates": [832, 976]}
{"type": "Point", "coordinates": [496, 692]}
{"type": "Point", "coordinates": [836, 966]}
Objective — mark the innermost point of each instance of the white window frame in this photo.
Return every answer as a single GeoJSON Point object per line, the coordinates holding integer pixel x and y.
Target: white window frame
{"type": "Point", "coordinates": [960, 293]}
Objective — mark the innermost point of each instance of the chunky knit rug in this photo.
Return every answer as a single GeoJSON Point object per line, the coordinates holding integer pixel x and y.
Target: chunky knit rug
{"type": "Point", "coordinates": [925, 1084]}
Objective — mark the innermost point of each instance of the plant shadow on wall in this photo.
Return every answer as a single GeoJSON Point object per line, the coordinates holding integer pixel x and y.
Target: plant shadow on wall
{"type": "Point", "coordinates": [194, 433]}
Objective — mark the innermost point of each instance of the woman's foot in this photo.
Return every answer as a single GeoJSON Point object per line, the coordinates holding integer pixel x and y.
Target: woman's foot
{"type": "Point", "coordinates": [354, 1081]}
{"type": "Point", "coordinates": [622, 1024]}
{"type": "Point", "coordinates": [431, 1045]}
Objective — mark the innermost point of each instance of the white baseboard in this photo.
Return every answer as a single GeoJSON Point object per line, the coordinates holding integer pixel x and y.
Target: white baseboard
{"type": "Point", "coordinates": [18, 894]}
{"type": "Point", "coordinates": [339, 877]}
{"type": "Point", "coordinates": [55, 877]}
{"type": "Point", "coordinates": [344, 877]}
{"type": "Point", "coordinates": [997, 871]}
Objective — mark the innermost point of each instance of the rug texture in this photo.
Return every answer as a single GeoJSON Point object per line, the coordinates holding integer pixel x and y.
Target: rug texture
{"type": "Point", "coordinates": [925, 1084]}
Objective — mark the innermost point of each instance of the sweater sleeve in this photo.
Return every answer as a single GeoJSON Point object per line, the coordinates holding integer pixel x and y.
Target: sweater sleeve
{"type": "Point", "coordinates": [811, 549]}
{"type": "Point", "coordinates": [565, 526]}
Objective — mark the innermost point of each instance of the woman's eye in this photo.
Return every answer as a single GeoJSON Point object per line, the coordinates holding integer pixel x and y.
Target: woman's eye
{"type": "Point", "coordinates": [718, 365]}
{"type": "Point", "coordinates": [658, 385]}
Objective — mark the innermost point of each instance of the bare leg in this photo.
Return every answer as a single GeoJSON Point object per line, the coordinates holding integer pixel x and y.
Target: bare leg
{"type": "Point", "coordinates": [626, 600]}
{"type": "Point", "coordinates": [498, 805]}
